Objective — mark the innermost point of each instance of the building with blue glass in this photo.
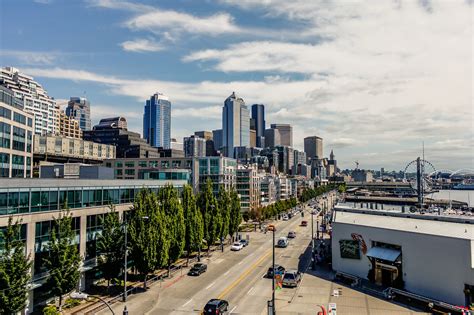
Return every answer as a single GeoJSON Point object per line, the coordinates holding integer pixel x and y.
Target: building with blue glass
{"type": "Point", "coordinates": [157, 121]}
{"type": "Point", "coordinates": [235, 125]}
{"type": "Point", "coordinates": [79, 109]}
{"type": "Point", "coordinates": [258, 115]}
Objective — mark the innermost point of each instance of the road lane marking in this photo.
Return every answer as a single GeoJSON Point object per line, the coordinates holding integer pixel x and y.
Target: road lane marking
{"type": "Point", "coordinates": [210, 285]}
{"type": "Point", "coordinates": [241, 262]}
{"type": "Point", "coordinates": [226, 273]}
{"type": "Point", "coordinates": [233, 309]}
{"type": "Point", "coordinates": [250, 291]}
{"type": "Point", "coordinates": [189, 301]}
{"type": "Point", "coordinates": [244, 275]}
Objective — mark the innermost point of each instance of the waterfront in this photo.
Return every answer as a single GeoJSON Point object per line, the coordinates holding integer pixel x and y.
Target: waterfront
{"type": "Point", "coordinates": [459, 195]}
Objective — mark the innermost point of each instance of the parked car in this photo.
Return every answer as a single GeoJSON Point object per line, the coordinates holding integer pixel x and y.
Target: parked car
{"type": "Point", "coordinates": [291, 234]}
{"type": "Point", "coordinates": [237, 246]}
{"type": "Point", "coordinates": [285, 218]}
{"type": "Point", "coordinates": [278, 270]}
{"type": "Point", "coordinates": [282, 242]}
{"type": "Point", "coordinates": [244, 242]}
{"type": "Point", "coordinates": [304, 223]}
{"type": "Point", "coordinates": [291, 278]}
{"type": "Point", "coordinates": [197, 269]}
{"type": "Point", "coordinates": [216, 306]}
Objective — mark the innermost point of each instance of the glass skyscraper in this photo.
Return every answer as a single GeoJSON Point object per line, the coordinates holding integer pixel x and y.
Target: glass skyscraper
{"type": "Point", "coordinates": [157, 121]}
{"type": "Point", "coordinates": [235, 124]}
{"type": "Point", "coordinates": [258, 114]}
{"type": "Point", "coordinates": [79, 109]}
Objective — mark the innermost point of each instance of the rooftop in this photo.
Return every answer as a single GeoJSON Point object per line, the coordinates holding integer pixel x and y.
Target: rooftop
{"type": "Point", "coordinates": [454, 227]}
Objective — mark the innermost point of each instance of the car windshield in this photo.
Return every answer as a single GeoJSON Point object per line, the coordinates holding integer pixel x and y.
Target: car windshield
{"type": "Point", "coordinates": [289, 276]}
{"type": "Point", "coordinates": [197, 266]}
{"type": "Point", "coordinates": [236, 244]}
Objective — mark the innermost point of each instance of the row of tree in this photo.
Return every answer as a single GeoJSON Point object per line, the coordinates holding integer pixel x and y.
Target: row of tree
{"type": "Point", "coordinates": [309, 193]}
{"type": "Point", "coordinates": [261, 214]}
{"type": "Point", "coordinates": [161, 228]}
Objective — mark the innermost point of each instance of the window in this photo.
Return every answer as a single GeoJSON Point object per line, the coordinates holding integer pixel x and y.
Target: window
{"type": "Point", "coordinates": [4, 165]}
{"type": "Point", "coordinates": [19, 137]}
{"type": "Point", "coordinates": [130, 164]}
{"type": "Point", "coordinates": [5, 112]}
{"type": "Point", "coordinates": [349, 249]}
{"type": "Point", "coordinates": [30, 122]}
{"type": "Point", "coordinates": [129, 172]}
{"type": "Point", "coordinates": [19, 118]}
{"type": "Point", "coordinates": [142, 163]}
{"type": "Point", "coordinates": [5, 135]}
{"type": "Point", "coordinates": [165, 164]}
{"type": "Point", "coordinates": [118, 164]}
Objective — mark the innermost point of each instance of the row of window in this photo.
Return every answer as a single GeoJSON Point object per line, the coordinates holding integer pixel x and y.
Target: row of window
{"type": "Point", "coordinates": [14, 202]}
{"type": "Point", "coordinates": [153, 164]}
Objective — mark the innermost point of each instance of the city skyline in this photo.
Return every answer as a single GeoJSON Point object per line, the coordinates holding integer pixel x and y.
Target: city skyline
{"type": "Point", "coordinates": [377, 115]}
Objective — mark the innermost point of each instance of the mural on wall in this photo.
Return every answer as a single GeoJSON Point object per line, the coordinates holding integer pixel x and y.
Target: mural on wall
{"type": "Point", "coordinates": [349, 249]}
{"type": "Point", "coordinates": [360, 240]}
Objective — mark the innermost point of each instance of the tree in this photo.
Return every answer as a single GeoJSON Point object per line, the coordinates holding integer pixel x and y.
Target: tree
{"type": "Point", "coordinates": [169, 201]}
{"type": "Point", "coordinates": [224, 202]}
{"type": "Point", "coordinates": [235, 214]}
{"type": "Point", "coordinates": [148, 234]}
{"type": "Point", "coordinates": [210, 214]}
{"type": "Point", "coordinates": [110, 246]}
{"type": "Point", "coordinates": [14, 269]}
{"type": "Point", "coordinates": [192, 220]}
{"type": "Point", "coordinates": [63, 259]}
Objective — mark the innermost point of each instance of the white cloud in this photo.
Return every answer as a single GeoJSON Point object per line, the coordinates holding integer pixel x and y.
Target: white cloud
{"type": "Point", "coordinates": [142, 45]}
{"type": "Point", "coordinates": [31, 57]}
{"type": "Point", "coordinates": [43, 1]}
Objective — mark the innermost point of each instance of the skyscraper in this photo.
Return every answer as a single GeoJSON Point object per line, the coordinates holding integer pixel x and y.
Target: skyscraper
{"type": "Point", "coordinates": [194, 146]}
{"type": "Point", "coordinates": [235, 124]}
{"type": "Point", "coordinates": [272, 138]}
{"type": "Point", "coordinates": [79, 109]}
{"type": "Point", "coordinates": [313, 146]}
{"type": "Point", "coordinates": [286, 133]}
{"type": "Point", "coordinates": [258, 114]}
{"type": "Point", "coordinates": [157, 121]}
{"type": "Point", "coordinates": [217, 136]}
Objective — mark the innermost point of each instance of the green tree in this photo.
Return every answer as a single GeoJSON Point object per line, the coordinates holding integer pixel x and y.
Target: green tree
{"type": "Point", "coordinates": [210, 213]}
{"type": "Point", "coordinates": [110, 246]}
{"type": "Point", "coordinates": [235, 213]}
{"type": "Point", "coordinates": [169, 200]}
{"type": "Point", "coordinates": [148, 234]}
{"type": "Point", "coordinates": [14, 269]}
{"type": "Point", "coordinates": [63, 259]}
{"type": "Point", "coordinates": [193, 221]}
{"type": "Point", "coordinates": [224, 202]}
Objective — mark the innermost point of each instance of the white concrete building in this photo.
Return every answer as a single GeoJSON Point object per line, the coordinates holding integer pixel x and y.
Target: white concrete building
{"type": "Point", "coordinates": [34, 99]}
{"type": "Point", "coordinates": [432, 256]}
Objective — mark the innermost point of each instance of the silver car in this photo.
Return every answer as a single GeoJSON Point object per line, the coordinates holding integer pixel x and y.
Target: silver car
{"type": "Point", "coordinates": [291, 278]}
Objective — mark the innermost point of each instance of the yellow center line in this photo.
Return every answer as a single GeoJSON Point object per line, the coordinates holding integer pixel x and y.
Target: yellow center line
{"type": "Point", "coordinates": [244, 275]}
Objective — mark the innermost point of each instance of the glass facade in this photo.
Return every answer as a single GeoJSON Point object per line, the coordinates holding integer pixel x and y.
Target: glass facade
{"type": "Point", "coordinates": [157, 121]}
{"type": "Point", "coordinates": [30, 200]}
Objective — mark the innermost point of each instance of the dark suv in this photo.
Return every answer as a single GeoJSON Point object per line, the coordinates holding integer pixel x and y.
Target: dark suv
{"type": "Point", "coordinates": [197, 269]}
{"type": "Point", "coordinates": [279, 270]}
{"type": "Point", "coordinates": [216, 306]}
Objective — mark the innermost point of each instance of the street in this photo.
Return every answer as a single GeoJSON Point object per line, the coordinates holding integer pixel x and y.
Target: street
{"type": "Point", "coordinates": [238, 277]}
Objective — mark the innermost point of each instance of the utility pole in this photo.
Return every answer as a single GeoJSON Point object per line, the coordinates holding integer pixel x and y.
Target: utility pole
{"type": "Point", "coordinates": [273, 229]}
{"type": "Point", "coordinates": [125, 261]}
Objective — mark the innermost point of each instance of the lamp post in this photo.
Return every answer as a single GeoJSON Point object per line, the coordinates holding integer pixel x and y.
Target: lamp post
{"type": "Point", "coordinates": [273, 229]}
{"type": "Point", "coordinates": [125, 265]}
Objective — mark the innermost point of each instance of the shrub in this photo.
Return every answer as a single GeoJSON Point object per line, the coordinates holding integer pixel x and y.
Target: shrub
{"type": "Point", "coordinates": [50, 310]}
{"type": "Point", "coordinates": [70, 303]}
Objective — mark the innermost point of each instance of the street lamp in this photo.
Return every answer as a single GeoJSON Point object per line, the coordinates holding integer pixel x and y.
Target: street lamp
{"type": "Point", "coordinates": [273, 229]}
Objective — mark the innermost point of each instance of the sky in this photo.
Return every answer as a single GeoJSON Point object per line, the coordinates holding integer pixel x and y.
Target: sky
{"type": "Point", "coordinates": [374, 79]}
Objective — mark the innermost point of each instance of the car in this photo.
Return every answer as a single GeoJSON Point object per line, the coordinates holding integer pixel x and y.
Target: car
{"type": "Point", "coordinates": [236, 246]}
{"type": "Point", "coordinates": [278, 270]}
{"type": "Point", "coordinates": [216, 306]}
{"type": "Point", "coordinates": [285, 218]}
{"type": "Point", "coordinates": [244, 242]}
{"type": "Point", "coordinates": [304, 223]}
{"type": "Point", "coordinates": [197, 269]}
{"type": "Point", "coordinates": [291, 278]}
{"type": "Point", "coordinates": [282, 242]}
{"type": "Point", "coordinates": [291, 234]}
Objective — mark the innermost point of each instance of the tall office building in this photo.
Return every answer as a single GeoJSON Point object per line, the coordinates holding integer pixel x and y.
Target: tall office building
{"type": "Point", "coordinates": [34, 99]}
{"type": "Point", "coordinates": [286, 133]}
{"type": "Point", "coordinates": [204, 134]}
{"type": "Point", "coordinates": [79, 109]}
{"type": "Point", "coordinates": [235, 124]}
{"type": "Point", "coordinates": [313, 146]}
{"type": "Point", "coordinates": [272, 138]}
{"type": "Point", "coordinates": [217, 136]}
{"type": "Point", "coordinates": [194, 146]}
{"type": "Point", "coordinates": [258, 114]}
{"type": "Point", "coordinates": [157, 121]}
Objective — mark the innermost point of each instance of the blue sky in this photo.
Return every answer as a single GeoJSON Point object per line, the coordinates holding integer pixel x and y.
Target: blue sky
{"type": "Point", "coordinates": [374, 81]}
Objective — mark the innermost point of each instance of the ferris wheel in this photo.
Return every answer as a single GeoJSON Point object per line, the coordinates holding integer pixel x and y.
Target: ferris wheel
{"type": "Point", "coordinates": [424, 181]}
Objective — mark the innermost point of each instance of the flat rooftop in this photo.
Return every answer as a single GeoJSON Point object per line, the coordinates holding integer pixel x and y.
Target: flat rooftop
{"type": "Point", "coordinates": [62, 182]}
{"type": "Point", "coordinates": [454, 227]}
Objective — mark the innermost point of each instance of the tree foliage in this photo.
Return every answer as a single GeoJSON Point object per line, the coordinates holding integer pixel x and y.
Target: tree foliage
{"type": "Point", "coordinates": [210, 213]}
{"type": "Point", "coordinates": [63, 259]}
{"type": "Point", "coordinates": [110, 246]}
{"type": "Point", "coordinates": [169, 201]}
{"type": "Point", "coordinates": [14, 269]}
{"type": "Point", "coordinates": [148, 234]}
{"type": "Point", "coordinates": [224, 202]}
{"type": "Point", "coordinates": [235, 215]}
{"type": "Point", "coordinates": [192, 219]}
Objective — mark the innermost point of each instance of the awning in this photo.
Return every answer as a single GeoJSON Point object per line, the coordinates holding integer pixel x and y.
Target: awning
{"type": "Point", "coordinates": [388, 254]}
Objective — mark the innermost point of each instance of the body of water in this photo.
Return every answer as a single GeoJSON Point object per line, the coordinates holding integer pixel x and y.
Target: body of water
{"type": "Point", "coordinates": [459, 195]}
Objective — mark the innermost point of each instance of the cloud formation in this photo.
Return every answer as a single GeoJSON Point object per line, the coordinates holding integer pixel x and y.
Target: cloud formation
{"type": "Point", "coordinates": [142, 45]}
